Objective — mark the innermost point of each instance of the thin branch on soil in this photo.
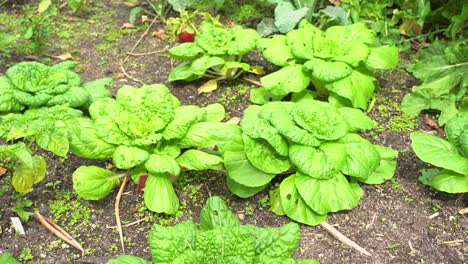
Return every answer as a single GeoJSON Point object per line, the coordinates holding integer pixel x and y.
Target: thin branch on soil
{"type": "Point", "coordinates": [412, 252]}
{"type": "Point", "coordinates": [372, 221]}
{"type": "Point", "coordinates": [254, 82]}
{"type": "Point", "coordinates": [133, 49]}
{"type": "Point", "coordinates": [58, 231]}
{"type": "Point", "coordinates": [434, 215]}
{"type": "Point", "coordinates": [343, 238]}
{"type": "Point", "coordinates": [147, 53]}
{"type": "Point", "coordinates": [117, 212]}
{"type": "Point", "coordinates": [132, 223]}
{"type": "Point", "coordinates": [457, 242]}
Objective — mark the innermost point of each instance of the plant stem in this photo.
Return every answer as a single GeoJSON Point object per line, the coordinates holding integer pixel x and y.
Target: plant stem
{"type": "Point", "coordinates": [117, 211]}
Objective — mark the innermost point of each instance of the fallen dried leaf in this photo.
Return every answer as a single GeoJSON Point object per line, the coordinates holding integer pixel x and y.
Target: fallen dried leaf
{"type": "Point", "coordinates": [64, 56]}
{"type": "Point", "coordinates": [234, 120]}
{"type": "Point", "coordinates": [145, 19]}
{"type": "Point", "coordinates": [2, 170]}
{"type": "Point", "coordinates": [208, 87]}
{"type": "Point", "coordinates": [430, 122]}
{"type": "Point", "coordinates": [159, 33]}
{"type": "Point", "coordinates": [257, 70]}
{"type": "Point", "coordinates": [128, 25]}
{"type": "Point", "coordinates": [463, 211]}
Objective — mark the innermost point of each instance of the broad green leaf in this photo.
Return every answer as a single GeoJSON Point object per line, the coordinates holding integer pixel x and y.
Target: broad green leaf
{"type": "Point", "coordinates": [94, 183]}
{"type": "Point", "coordinates": [104, 108]}
{"type": "Point", "coordinates": [215, 214]}
{"type": "Point", "coordinates": [331, 195]}
{"type": "Point", "coordinates": [193, 159]}
{"type": "Point", "coordinates": [262, 95]}
{"type": "Point", "coordinates": [162, 163]}
{"type": "Point", "coordinates": [214, 113]}
{"type": "Point", "coordinates": [356, 119]}
{"type": "Point", "coordinates": [357, 32]}
{"type": "Point", "coordinates": [445, 180]}
{"type": "Point", "coordinates": [295, 207]}
{"type": "Point", "coordinates": [25, 176]}
{"type": "Point", "coordinates": [97, 89]}
{"type": "Point", "coordinates": [201, 65]}
{"type": "Point", "coordinates": [182, 72]}
{"type": "Point", "coordinates": [438, 152]}
{"type": "Point", "coordinates": [241, 190]}
{"type": "Point", "coordinates": [16, 152]}
{"type": "Point", "coordinates": [85, 143]}
{"type": "Point", "coordinates": [287, 80]}
{"type": "Point", "coordinates": [206, 134]}
{"type": "Point", "coordinates": [243, 40]}
{"type": "Point", "coordinates": [321, 120]}
{"type": "Point", "coordinates": [243, 172]}
{"type": "Point", "coordinates": [185, 117]}
{"type": "Point", "coordinates": [127, 259]}
{"type": "Point", "coordinates": [159, 194]}
{"type": "Point", "coordinates": [456, 130]}
{"type": "Point", "coordinates": [55, 141]}
{"type": "Point", "coordinates": [414, 103]}
{"type": "Point", "coordinates": [382, 58]}
{"type": "Point", "coordinates": [169, 242]}
{"type": "Point", "coordinates": [327, 71]}
{"type": "Point", "coordinates": [301, 42]}
{"type": "Point", "coordinates": [275, 50]}
{"type": "Point", "coordinates": [7, 258]}
{"type": "Point", "coordinates": [170, 150]}
{"type": "Point", "coordinates": [362, 158]}
{"type": "Point", "coordinates": [386, 168]}
{"type": "Point", "coordinates": [128, 157]}
{"type": "Point", "coordinates": [275, 202]}
{"type": "Point", "coordinates": [186, 51]}
{"type": "Point", "coordinates": [353, 53]}
{"type": "Point", "coordinates": [320, 163]}
{"type": "Point", "coordinates": [287, 16]}
{"type": "Point", "coordinates": [266, 27]}
{"type": "Point", "coordinates": [274, 243]}
{"type": "Point", "coordinates": [7, 101]}
{"type": "Point", "coordinates": [43, 5]}
{"type": "Point", "coordinates": [357, 87]}
{"type": "Point", "coordinates": [264, 157]}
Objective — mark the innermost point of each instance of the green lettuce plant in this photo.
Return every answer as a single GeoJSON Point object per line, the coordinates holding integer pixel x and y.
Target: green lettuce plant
{"type": "Point", "coordinates": [443, 70]}
{"type": "Point", "coordinates": [32, 84]}
{"type": "Point", "coordinates": [26, 169]}
{"type": "Point", "coordinates": [338, 62]}
{"type": "Point", "coordinates": [450, 155]}
{"type": "Point", "coordinates": [316, 146]}
{"type": "Point", "coordinates": [221, 238]}
{"type": "Point", "coordinates": [147, 129]}
{"type": "Point", "coordinates": [216, 53]}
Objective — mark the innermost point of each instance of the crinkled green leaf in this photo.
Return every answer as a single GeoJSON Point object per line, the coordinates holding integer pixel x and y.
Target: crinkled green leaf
{"type": "Point", "coordinates": [327, 71]}
{"type": "Point", "coordinates": [386, 169]}
{"type": "Point", "coordinates": [288, 79]}
{"type": "Point", "coordinates": [193, 159]}
{"type": "Point", "coordinates": [438, 152]}
{"type": "Point", "coordinates": [321, 120]}
{"type": "Point", "coordinates": [357, 32]}
{"type": "Point", "coordinates": [214, 40]}
{"type": "Point", "coordinates": [445, 180]}
{"type": "Point", "coordinates": [301, 42]}
{"type": "Point", "coordinates": [456, 130]}
{"type": "Point", "coordinates": [362, 158]}
{"type": "Point", "coordinates": [162, 163]}
{"type": "Point", "coordinates": [264, 157]}
{"type": "Point", "coordinates": [275, 50]}
{"type": "Point", "coordinates": [243, 40]}
{"type": "Point", "coordinates": [97, 89]}
{"type": "Point", "coordinates": [94, 183]}
{"type": "Point", "coordinates": [159, 194]}
{"type": "Point", "coordinates": [294, 206]}
{"type": "Point", "coordinates": [7, 100]}
{"type": "Point", "coordinates": [215, 214]}
{"type": "Point", "coordinates": [320, 163]}
{"type": "Point", "coordinates": [382, 58]}
{"type": "Point", "coordinates": [356, 119]}
{"type": "Point", "coordinates": [205, 134]}
{"type": "Point", "coordinates": [186, 51]}
{"type": "Point", "coordinates": [125, 157]}
{"type": "Point", "coordinates": [24, 176]}
{"type": "Point", "coordinates": [331, 195]}
{"type": "Point", "coordinates": [127, 259]}
{"type": "Point", "coordinates": [85, 143]}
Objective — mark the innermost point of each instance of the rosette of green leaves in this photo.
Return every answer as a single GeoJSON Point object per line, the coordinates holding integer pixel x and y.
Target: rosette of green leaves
{"type": "Point", "coordinates": [147, 128]}
{"type": "Point", "coordinates": [443, 70]}
{"type": "Point", "coordinates": [450, 155]}
{"type": "Point", "coordinates": [48, 127]}
{"type": "Point", "coordinates": [33, 84]}
{"type": "Point", "coordinates": [26, 169]}
{"type": "Point", "coordinates": [315, 143]}
{"type": "Point", "coordinates": [338, 61]}
{"type": "Point", "coordinates": [216, 53]}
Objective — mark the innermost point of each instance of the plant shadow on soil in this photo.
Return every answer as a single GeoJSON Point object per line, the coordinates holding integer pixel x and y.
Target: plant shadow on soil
{"type": "Point", "coordinates": [391, 213]}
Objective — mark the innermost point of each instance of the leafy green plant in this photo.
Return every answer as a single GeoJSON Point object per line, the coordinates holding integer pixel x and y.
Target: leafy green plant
{"type": "Point", "coordinates": [185, 27]}
{"type": "Point", "coordinates": [216, 53]}
{"type": "Point", "coordinates": [147, 129]}
{"type": "Point", "coordinates": [6, 41]}
{"type": "Point", "coordinates": [37, 28]}
{"type": "Point", "coordinates": [33, 84]}
{"type": "Point", "coordinates": [337, 61]}
{"type": "Point", "coordinates": [20, 207]}
{"type": "Point", "coordinates": [451, 155]}
{"type": "Point", "coordinates": [220, 238]}
{"type": "Point", "coordinates": [316, 145]}
{"type": "Point", "coordinates": [7, 258]}
{"type": "Point", "coordinates": [443, 70]}
{"type": "Point", "coordinates": [27, 169]}
{"type": "Point", "coordinates": [78, 5]}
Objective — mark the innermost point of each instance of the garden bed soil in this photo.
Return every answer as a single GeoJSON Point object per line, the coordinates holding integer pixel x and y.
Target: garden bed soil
{"type": "Point", "coordinates": [392, 220]}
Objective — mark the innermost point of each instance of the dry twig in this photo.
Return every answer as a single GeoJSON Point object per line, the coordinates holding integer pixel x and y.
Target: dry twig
{"type": "Point", "coordinates": [132, 223]}
{"type": "Point", "coordinates": [58, 231]}
{"type": "Point", "coordinates": [254, 82]}
{"type": "Point", "coordinates": [147, 53]}
{"type": "Point", "coordinates": [117, 212]}
{"type": "Point", "coordinates": [343, 238]}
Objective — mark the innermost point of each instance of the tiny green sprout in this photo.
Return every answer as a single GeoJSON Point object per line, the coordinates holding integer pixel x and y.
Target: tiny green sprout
{"type": "Point", "coordinates": [392, 246]}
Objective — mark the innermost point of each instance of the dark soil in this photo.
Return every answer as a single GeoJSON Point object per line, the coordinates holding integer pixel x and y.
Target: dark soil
{"type": "Point", "coordinates": [393, 213]}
